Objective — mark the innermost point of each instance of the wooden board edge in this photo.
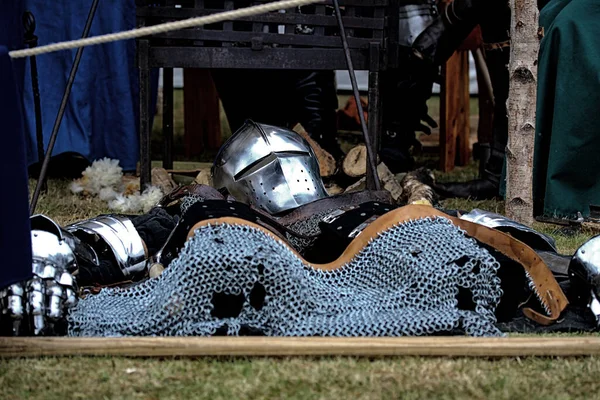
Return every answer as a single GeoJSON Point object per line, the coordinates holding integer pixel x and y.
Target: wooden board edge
{"type": "Point", "coordinates": [290, 346]}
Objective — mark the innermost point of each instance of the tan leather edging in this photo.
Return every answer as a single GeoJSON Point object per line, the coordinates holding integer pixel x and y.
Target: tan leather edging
{"type": "Point", "coordinates": [548, 290]}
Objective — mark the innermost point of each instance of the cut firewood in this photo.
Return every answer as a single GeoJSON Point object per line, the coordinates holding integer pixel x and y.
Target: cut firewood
{"type": "Point", "coordinates": [162, 179]}
{"type": "Point", "coordinates": [389, 181]}
{"type": "Point", "coordinates": [357, 186]}
{"type": "Point", "coordinates": [417, 187]}
{"type": "Point", "coordinates": [355, 162]}
{"type": "Point", "coordinates": [327, 163]}
{"type": "Point", "coordinates": [333, 189]}
{"type": "Point", "coordinates": [204, 178]}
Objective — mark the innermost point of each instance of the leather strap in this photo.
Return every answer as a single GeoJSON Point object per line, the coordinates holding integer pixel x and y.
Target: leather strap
{"type": "Point", "coordinates": [544, 284]}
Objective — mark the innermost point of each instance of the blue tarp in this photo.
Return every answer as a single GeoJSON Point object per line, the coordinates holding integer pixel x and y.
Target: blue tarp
{"type": "Point", "coordinates": [101, 118]}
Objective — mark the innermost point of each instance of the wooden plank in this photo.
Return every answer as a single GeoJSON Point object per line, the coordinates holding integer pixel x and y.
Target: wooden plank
{"type": "Point", "coordinates": [289, 346]}
{"type": "Point", "coordinates": [268, 58]}
{"type": "Point", "coordinates": [200, 112]}
{"type": "Point", "coordinates": [454, 112]}
{"type": "Point", "coordinates": [316, 20]}
{"type": "Point", "coordinates": [267, 38]}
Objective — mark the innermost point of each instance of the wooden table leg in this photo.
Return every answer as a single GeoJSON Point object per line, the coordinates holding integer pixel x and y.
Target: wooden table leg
{"type": "Point", "coordinates": [454, 112]}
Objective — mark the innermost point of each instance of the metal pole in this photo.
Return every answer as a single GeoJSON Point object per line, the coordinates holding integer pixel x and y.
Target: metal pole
{"type": "Point", "coordinates": [372, 164]}
{"type": "Point", "coordinates": [31, 40]}
{"type": "Point", "coordinates": [61, 110]}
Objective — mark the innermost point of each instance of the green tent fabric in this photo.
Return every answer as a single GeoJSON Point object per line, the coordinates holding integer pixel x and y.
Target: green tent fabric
{"type": "Point", "coordinates": [567, 143]}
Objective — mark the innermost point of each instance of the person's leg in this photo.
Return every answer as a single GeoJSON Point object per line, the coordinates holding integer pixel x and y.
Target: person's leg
{"type": "Point", "coordinates": [495, 25]}
{"type": "Point", "coordinates": [316, 98]}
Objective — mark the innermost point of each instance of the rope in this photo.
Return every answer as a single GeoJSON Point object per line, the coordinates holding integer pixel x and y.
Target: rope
{"type": "Point", "coordinates": [161, 28]}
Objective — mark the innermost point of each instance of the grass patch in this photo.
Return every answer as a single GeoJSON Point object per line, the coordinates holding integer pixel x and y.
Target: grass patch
{"type": "Point", "coordinates": [299, 378]}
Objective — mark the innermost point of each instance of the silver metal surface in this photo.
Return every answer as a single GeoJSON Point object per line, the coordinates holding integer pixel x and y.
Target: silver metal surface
{"type": "Point", "coordinates": [270, 167]}
{"type": "Point", "coordinates": [44, 299]}
{"type": "Point", "coordinates": [82, 251]}
{"type": "Point", "coordinates": [595, 308]}
{"type": "Point", "coordinates": [502, 223]}
{"type": "Point", "coordinates": [584, 267]}
{"type": "Point", "coordinates": [119, 234]}
{"type": "Point", "coordinates": [414, 18]}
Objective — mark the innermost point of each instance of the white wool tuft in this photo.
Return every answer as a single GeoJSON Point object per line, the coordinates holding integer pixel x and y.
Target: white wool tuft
{"type": "Point", "coordinates": [104, 178]}
{"type": "Point", "coordinates": [76, 187]}
{"type": "Point", "coordinates": [107, 194]}
{"type": "Point", "coordinates": [104, 173]}
{"type": "Point", "coordinates": [150, 198]}
{"type": "Point", "coordinates": [125, 204]}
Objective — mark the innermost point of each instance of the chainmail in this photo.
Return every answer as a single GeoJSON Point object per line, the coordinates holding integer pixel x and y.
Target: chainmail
{"type": "Point", "coordinates": [307, 227]}
{"type": "Point", "coordinates": [238, 280]}
{"type": "Point", "coordinates": [189, 201]}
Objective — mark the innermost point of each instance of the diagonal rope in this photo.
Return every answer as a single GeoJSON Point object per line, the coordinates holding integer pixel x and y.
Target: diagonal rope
{"type": "Point", "coordinates": [161, 28]}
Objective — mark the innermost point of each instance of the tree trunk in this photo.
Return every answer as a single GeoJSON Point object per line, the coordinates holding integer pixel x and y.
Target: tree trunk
{"type": "Point", "coordinates": [521, 110]}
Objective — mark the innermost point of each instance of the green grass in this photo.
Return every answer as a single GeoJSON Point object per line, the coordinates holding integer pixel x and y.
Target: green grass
{"type": "Point", "coordinates": [300, 378]}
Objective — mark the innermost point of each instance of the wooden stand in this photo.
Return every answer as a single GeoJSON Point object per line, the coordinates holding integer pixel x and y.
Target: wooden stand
{"type": "Point", "coordinates": [454, 112]}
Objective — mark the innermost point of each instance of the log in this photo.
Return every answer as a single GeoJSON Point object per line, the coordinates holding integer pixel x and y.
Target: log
{"type": "Point", "coordinates": [417, 188]}
{"type": "Point", "coordinates": [333, 189]}
{"type": "Point", "coordinates": [204, 178]}
{"type": "Point", "coordinates": [525, 41]}
{"type": "Point", "coordinates": [327, 164]}
{"type": "Point", "coordinates": [386, 178]}
{"type": "Point", "coordinates": [389, 181]}
{"type": "Point", "coordinates": [358, 186]}
{"type": "Point", "coordinates": [454, 346]}
{"type": "Point", "coordinates": [162, 179]}
{"type": "Point", "coordinates": [355, 162]}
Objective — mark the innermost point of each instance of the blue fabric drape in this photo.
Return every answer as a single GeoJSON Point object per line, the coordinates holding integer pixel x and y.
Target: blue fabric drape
{"type": "Point", "coordinates": [101, 116]}
{"type": "Point", "coordinates": [101, 119]}
{"type": "Point", "coordinates": [15, 239]}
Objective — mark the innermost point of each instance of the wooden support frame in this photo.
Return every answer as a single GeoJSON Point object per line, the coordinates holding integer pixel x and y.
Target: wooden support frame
{"type": "Point", "coordinates": [289, 346]}
{"type": "Point", "coordinates": [454, 112]}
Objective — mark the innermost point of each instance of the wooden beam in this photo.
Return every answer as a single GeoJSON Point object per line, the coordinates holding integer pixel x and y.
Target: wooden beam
{"type": "Point", "coordinates": [454, 112]}
{"type": "Point", "coordinates": [290, 346]}
{"type": "Point", "coordinates": [525, 40]}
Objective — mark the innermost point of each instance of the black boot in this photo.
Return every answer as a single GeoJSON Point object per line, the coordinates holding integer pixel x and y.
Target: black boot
{"type": "Point", "coordinates": [317, 104]}
{"type": "Point", "coordinates": [409, 88]}
{"type": "Point", "coordinates": [405, 95]}
{"type": "Point", "coordinates": [495, 25]}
